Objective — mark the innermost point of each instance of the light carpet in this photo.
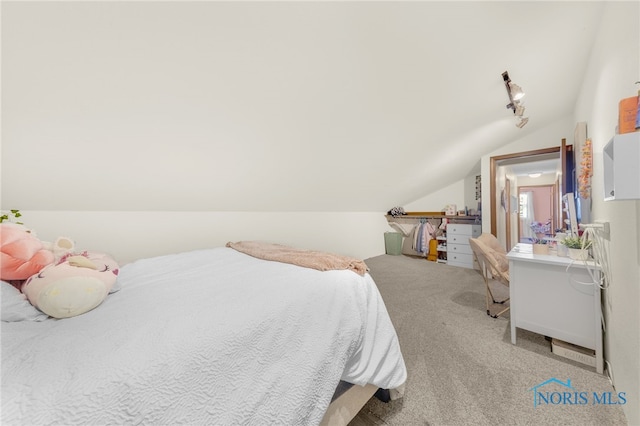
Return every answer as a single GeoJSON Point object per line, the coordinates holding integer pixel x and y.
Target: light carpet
{"type": "Point", "coordinates": [462, 367]}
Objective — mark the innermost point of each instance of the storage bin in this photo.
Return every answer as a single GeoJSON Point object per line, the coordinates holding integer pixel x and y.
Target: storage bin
{"type": "Point", "coordinates": [393, 243]}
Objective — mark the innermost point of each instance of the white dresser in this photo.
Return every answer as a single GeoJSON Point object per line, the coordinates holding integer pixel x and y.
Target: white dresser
{"type": "Point", "coordinates": [458, 249]}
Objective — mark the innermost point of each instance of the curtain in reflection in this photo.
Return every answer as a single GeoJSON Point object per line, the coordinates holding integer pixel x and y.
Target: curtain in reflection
{"type": "Point", "coordinates": [527, 215]}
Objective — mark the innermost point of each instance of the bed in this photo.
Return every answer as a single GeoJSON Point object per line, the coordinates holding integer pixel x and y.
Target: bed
{"type": "Point", "coordinates": [211, 336]}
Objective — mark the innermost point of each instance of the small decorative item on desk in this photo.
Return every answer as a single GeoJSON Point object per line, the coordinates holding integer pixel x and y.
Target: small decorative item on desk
{"type": "Point", "coordinates": [578, 254]}
{"type": "Point", "coordinates": [562, 250]}
{"type": "Point", "coordinates": [540, 242]}
{"type": "Point", "coordinates": [577, 247]}
{"type": "Point", "coordinates": [540, 246]}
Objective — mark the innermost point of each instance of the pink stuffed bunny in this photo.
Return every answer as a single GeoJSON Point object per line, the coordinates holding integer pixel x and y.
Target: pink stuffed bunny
{"type": "Point", "coordinates": [22, 254]}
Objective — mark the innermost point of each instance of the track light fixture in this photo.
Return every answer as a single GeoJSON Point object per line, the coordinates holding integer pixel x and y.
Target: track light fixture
{"type": "Point", "coordinates": [523, 120]}
{"type": "Point", "coordinates": [516, 91]}
{"type": "Point", "coordinates": [515, 94]}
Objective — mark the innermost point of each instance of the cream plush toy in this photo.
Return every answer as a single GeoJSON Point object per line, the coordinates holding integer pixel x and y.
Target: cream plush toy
{"type": "Point", "coordinates": [76, 284]}
{"type": "Point", "coordinates": [60, 247]}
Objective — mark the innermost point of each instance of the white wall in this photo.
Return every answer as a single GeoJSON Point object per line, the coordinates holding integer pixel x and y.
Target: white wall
{"type": "Point", "coordinates": [132, 235]}
{"type": "Point", "coordinates": [613, 68]}
{"type": "Point", "coordinates": [252, 106]}
{"type": "Point", "coordinates": [437, 201]}
{"type": "Point", "coordinates": [461, 193]}
{"type": "Point", "coordinates": [204, 106]}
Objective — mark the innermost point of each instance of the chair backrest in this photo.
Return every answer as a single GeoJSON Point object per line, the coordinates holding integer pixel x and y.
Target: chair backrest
{"type": "Point", "coordinates": [492, 242]}
{"type": "Point", "coordinates": [493, 264]}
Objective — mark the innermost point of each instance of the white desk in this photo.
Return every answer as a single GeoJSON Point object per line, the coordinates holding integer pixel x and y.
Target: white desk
{"type": "Point", "coordinates": [548, 299]}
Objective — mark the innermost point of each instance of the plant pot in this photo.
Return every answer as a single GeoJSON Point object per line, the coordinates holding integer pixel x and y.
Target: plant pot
{"type": "Point", "coordinates": [578, 254]}
{"type": "Point", "coordinates": [540, 249]}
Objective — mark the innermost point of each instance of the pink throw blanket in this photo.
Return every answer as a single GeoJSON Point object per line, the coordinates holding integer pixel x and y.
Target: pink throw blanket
{"type": "Point", "coordinates": [306, 258]}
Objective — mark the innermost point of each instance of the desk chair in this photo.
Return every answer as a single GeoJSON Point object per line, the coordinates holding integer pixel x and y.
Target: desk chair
{"type": "Point", "coordinates": [494, 266]}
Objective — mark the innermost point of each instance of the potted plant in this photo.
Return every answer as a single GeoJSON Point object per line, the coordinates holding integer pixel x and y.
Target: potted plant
{"type": "Point", "coordinates": [10, 216]}
{"type": "Point", "coordinates": [540, 245]}
{"type": "Point", "coordinates": [577, 247]}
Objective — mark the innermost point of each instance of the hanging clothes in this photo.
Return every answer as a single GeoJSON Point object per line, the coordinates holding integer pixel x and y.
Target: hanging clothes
{"type": "Point", "coordinates": [424, 232]}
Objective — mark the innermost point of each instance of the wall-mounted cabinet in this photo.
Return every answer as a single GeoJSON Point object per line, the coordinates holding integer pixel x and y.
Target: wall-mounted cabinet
{"type": "Point", "coordinates": [621, 161]}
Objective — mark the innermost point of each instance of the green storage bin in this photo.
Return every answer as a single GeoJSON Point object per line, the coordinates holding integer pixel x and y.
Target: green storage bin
{"type": "Point", "coordinates": [393, 243]}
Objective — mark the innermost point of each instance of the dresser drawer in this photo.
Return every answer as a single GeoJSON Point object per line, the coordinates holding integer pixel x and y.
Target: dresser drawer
{"type": "Point", "coordinates": [472, 231]}
{"type": "Point", "coordinates": [457, 239]}
{"type": "Point", "coordinates": [460, 259]}
{"type": "Point", "coordinates": [459, 248]}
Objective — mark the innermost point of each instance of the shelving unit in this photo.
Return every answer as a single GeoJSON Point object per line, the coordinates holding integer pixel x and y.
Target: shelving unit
{"type": "Point", "coordinates": [442, 248]}
{"type": "Point", "coordinates": [621, 161]}
{"type": "Point", "coordinates": [453, 247]}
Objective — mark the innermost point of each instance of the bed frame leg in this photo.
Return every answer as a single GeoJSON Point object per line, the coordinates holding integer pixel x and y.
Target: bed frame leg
{"type": "Point", "coordinates": [383, 395]}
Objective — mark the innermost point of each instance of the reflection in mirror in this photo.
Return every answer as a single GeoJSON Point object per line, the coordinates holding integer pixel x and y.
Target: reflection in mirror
{"type": "Point", "coordinates": [536, 211]}
{"type": "Point", "coordinates": [541, 171]}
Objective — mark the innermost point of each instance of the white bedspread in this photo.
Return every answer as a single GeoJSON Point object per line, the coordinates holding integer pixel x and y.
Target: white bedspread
{"type": "Point", "coordinates": [211, 337]}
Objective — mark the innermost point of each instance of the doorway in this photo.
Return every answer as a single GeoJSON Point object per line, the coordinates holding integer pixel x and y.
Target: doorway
{"type": "Point", "coordinates": [504, 209]}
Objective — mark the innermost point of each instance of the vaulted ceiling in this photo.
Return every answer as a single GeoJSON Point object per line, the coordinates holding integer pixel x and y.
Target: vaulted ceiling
{"type": "Point", "coordinates": [350, 106]}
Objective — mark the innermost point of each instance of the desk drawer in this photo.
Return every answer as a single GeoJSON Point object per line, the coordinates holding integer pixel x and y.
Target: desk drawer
{"type": "Point", "coordinates": [459, 249]}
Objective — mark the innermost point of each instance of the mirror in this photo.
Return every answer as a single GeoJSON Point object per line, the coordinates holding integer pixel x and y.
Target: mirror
{"type": "Point", "coordinates": [518, 199]}
{"type": "Point", "coordinates": [536, 206]}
